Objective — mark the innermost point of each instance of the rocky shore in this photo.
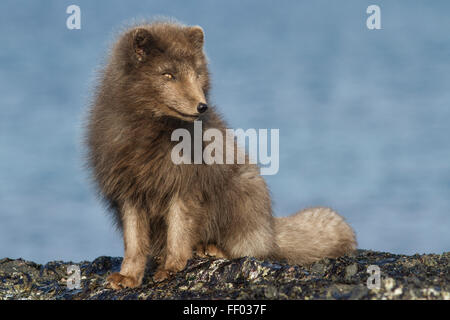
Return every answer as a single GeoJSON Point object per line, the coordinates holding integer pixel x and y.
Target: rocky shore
{"type": "Point", "coordinates": [402, 277]}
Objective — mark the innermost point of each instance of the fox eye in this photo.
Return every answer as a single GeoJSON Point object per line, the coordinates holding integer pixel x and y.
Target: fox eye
{"type": "Point", "coordinates": [169, 76]}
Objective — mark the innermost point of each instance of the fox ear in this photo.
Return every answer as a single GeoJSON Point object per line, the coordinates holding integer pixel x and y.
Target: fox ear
{"type": "Point", "coordinates": [143, 43]}
{"type": "Point", "coordinates": [196, 36]}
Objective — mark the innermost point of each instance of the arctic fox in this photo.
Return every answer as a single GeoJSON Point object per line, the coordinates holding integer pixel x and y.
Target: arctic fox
{"type": "Point", "coordinates": [155, 81]}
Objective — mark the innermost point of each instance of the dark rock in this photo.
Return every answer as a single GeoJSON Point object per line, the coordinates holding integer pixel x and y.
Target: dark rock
{"type": "Point", "coordinates": [350, 271]}
{"type": "Point", "coordinates": [402, 277]}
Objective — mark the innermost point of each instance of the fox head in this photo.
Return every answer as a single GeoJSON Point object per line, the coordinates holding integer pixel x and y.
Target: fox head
{"type": "Point", "coordinates": [165, 70]}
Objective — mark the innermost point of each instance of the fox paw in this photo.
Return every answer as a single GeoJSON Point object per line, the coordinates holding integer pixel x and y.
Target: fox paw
{"type": "Point", "coordinates": [210, 250]}
{"type": "Point", "coordinates": [200, 251]}
{"type": "Point", "coordinates": [161, 275]}
{"type": "Point", "coordinates": [118, 281]}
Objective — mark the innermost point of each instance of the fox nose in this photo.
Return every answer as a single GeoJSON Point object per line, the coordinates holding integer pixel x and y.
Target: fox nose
{"type": "Point", "coordinates": [202, 107]}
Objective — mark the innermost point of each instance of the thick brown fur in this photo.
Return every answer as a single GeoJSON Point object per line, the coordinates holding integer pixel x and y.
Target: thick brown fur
{"type": "Point", "coordinates": [155, 78]}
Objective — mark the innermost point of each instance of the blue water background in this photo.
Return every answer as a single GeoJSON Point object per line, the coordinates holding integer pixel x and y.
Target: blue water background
{"type": "Point", "coordinates": [363, 114]}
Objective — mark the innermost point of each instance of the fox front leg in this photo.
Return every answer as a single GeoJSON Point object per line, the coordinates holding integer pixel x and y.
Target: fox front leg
{"type": "Point", "coordinates": [136, 243]}
{"type": "Point", "coordinates": [180, 240]}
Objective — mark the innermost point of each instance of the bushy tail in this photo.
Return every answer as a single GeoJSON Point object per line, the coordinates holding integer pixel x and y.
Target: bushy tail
{"type": "Point", "coordinates": [313, 234]}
